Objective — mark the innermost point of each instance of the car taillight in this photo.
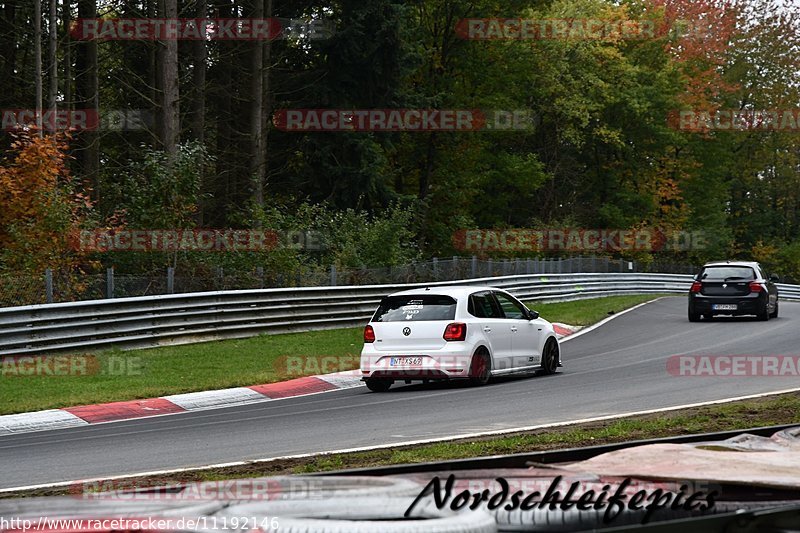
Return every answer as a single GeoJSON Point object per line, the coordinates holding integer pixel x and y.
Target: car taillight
{"type": "Point", "coordinates": [369, 334]}
{"type": "Point", "coordinates": [755, 286]}
{"type": "Point", "coordinates": [696, 286]}
{"type": "Point", "coordinates": [455, 332]}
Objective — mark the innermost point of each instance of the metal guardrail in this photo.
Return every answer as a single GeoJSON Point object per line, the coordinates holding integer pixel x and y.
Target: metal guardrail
{"type": "Point", "coordinates": [197, 317]}
{"type": "Point", "coordinates": [58, 287]}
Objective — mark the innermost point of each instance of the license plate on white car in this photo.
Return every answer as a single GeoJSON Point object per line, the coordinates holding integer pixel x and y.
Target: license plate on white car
{"type": "Point", "coordinates": [405, 361]}
{"type": "Point", "coordinates": [724, 307]}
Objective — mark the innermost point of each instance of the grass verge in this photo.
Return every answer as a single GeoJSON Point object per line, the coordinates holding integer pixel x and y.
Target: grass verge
{"type": "Point", "coordinates": [127, 375]}
{"type": "Point", "coordinates": [588, 312]}
{"type": "Point", "coordinates": [772, 410]}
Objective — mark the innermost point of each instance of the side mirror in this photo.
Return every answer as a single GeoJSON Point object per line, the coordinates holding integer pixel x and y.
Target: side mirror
{"type": "Point", "coordinates": [532, 315]}
{"type": "Point", "coordinates": [774, 278]}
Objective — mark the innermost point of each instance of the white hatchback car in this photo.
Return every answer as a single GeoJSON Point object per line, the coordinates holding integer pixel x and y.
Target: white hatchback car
{"type": "Point", "coordinates": [445, 333]}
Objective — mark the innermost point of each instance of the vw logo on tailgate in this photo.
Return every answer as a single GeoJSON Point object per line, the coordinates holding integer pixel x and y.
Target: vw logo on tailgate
{"type": "Point", "coordinates": [406, 331]}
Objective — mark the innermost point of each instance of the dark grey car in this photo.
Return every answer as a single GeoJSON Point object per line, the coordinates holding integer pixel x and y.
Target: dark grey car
{"type": "Point", "coordinates": [733, 288]}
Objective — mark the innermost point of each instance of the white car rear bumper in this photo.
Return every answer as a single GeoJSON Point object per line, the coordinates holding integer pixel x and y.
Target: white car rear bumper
{"type": "Point", "coordinates": [452, 362]}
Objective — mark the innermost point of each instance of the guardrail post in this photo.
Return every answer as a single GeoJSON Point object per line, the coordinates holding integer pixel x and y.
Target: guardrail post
{"type": "Point", "coordinates": [170, 280]}
{"type": "Point", "coordinates": [110, 282]}
{"type": "Point", "coordinates": [260, 276]}
{"type": "Point", "coordinates": [560, 266]}
{"type": "Point", "coordinates": [436, 268]}
{"type": "Point", "coordinates": [454, 269]}
{"type": "Point", "coordinates": [489, 268]}
{"type": "Point", "coordinates": [333, 275]}
{"type": "Point", "coordinates": [48, 285]}
{"type": "Point", "coordinates": [474, 267]}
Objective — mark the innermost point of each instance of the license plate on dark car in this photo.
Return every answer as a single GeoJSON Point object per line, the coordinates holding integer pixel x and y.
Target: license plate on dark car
{"type": "Point", "coordinates": [724, 307]}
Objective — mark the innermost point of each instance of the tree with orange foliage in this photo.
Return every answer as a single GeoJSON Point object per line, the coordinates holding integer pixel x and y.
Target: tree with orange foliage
{"type": "Point", "coordinates": [699, 35]}
{"type": "Point", "coordinates": [39, 206]}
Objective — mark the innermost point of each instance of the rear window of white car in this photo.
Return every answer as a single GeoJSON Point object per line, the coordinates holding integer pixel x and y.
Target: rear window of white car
{"type": "Point", "coordinates": [415, 308]}
{"type": "Point", "coordinates": [728, 272]}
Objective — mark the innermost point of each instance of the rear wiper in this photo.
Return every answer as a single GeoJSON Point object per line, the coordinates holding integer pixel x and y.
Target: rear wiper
{"type": "Point", "coordinates": [731, 278]}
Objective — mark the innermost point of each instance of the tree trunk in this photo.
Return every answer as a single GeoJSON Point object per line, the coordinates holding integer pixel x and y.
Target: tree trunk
{"type": "Point", "coordinates": [256, 111]}
{"type": "Point", "coordinates": [223, 90]}
{"type": "Point", "coordinates": [65, 17]}
{"type": "Point", "coordinates": [8, 53]}
{"type": "Point", "coordinates": [266, 113]}
{"type": "Point", "coordinates": [199, 81]}
{"type": "Point", "coordinates": [153, 75]}
{"type": "Point", "coordinates": [198, 118]}
{"type": "Point", "coordinates": [37, 60]}
{"type": "Point", "coordinates": [168, 69]}
{"type": "Point", "coordinates": [52, 34]}
{"type": "Point", "coordinates": [427, 171]}
{"type": "Point", "coordinates": [88, 98]}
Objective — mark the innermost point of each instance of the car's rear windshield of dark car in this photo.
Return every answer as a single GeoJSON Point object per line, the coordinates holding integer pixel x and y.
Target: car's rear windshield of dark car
{"type": "Point", "coordinates": [728, 272]}
{"type": "Point", "coordinates": [416, 308]}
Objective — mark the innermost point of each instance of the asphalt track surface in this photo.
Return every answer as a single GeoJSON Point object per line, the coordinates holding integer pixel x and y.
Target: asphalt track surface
{"type": "Point", "coordinates": [617, 368]}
